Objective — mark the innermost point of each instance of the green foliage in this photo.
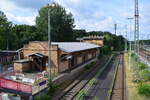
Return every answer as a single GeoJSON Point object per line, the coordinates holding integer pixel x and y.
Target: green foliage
{"type": "Point", "coordinates": [14, 36]}
{"type": "Point", "coordinates": [24, 34]}
{"type": "Point", "coordinates": [62, 24]}
{"type": "Point", "coordinates": [81, 95]}
{"type": "Point", "coordinates": [79, 34]}
{"type": "Point", "coordinates": [110, 91]}
{"type": "Point", "coordinates": [144, 89]}
{"type": "Point", "coordinates": [50, 93]}
{"type": "Point", "coordinates": [6, 36]}
{"type": "Point", "coordinates": [132, 55]}
{"type": "Point", "coordinates": [141, 66]}
{"type": "Point", "coordinates": [145, 74]}
{"type": "Point", "coordinates": [51, 87]}
{"type": "Point", "coordinates": [43, 97]}
{"type": "Point", "coordinates": [92, 82]}
{"type": "Point", "coordinates": [105, 50]}
{"type": "Point", "coordinates": [88, 66]}
{"type": "Point", "coordinates": [62, 30]}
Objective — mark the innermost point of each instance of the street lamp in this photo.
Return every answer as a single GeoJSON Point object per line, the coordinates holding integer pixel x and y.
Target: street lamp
{"type": "Point", "coordinates": [49, 34]}
{"type": "Point", "coordinates": [130, 19]}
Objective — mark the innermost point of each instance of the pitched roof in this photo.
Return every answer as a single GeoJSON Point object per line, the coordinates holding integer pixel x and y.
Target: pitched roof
{"type": "Point", "coordinates": [74, 46]}
{"type": "Point", "coordinates": [37, 54]}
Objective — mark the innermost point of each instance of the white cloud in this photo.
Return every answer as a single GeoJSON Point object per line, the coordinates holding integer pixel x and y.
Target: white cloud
{"type": "Point", "coordinates": [17, 14]}
{"type": "Point", "coordinates": [29, 20]}
{"type": "Point", "coordinates": [6, 5]}
{"type": "Point", "coordinates": [90, 15]}
{"type": "Point", "coordinates": [87, 16]}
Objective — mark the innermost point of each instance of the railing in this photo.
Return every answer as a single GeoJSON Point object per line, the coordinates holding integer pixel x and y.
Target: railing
{"type": "Point", "coordinates": [7, 73]}
{"type": "Point", "coordinates": [9, 84]}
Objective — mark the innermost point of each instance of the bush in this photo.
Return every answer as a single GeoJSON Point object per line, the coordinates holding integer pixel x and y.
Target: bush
{"type": "Point", "coordinates": [105, 50]}
{"type": "Point", "coordinates": [132, 54]}
{"type": "Point", "coordinates": [136, 77]}
{"type": "Point", "coordinates": [43, 97]}
{"type": "Point", "coordinates": [49, 94]}
{"type": "Point", "coordinates": [141, 66]}
{"type": "Point", "coordinates": [51, 87]}
{"type": "Point", "coordinates": [145, 74]}
{"type": "Point", "coordinates": [144, 89]}
{"type": "Point", "coordinates": [88, 66]}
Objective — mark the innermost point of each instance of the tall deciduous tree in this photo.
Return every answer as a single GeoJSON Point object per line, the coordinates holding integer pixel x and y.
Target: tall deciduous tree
{"type": "Point", "coordinates": [24, 34]}
{"type": "Point", "coordinates": [6, 37]}
{"type": "Point", "coordinates": [62, 24]}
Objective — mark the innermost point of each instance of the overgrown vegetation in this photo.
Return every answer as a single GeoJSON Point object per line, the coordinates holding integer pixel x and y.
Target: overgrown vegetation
{"type": "Point", "coordinates": [144, 89]}
{"type": "Point", "coordinates": [88, 66]}
{"type": "Point", "coordinates": [80, 95]}
{"type": "Point", "coordinates": [92, 82]}
{"type": "Point", "coordinates": [49, 93]}
{"type": "Point", "coordinates": [141, 75]}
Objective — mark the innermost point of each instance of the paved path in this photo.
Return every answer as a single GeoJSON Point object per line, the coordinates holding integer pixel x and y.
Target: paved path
{"type": "Point", "coordinates": [100, 91]}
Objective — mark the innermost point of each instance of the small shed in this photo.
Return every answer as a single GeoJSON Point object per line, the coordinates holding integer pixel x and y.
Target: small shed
{"type": "Point", "coordinates": [38, 61]}
{"type": "Point", "coordinates": [22, 65]}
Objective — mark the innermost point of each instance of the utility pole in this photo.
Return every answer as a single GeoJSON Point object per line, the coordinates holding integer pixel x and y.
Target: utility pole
{"type": "Point", "coordinates": [130, 19]}
{"type": "Point", "coordinates": [136, 34]}
{"type": "Point", "coordinates": [49, 36]}
{"type": "Point", "coordinates": [126, 38]}
{"type": "Point", "coordinates": [115, 26]}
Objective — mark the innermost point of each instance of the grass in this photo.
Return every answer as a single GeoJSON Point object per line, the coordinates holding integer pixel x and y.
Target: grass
{"type": "Point", "coordinates": [132, 92]}
{"type": "Point", "coordinates": [81, 95]}
{"type": "Point", "coordinates": [92, 81]}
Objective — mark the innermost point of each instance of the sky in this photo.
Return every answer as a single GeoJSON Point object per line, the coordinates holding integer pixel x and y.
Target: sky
{"type": "Point", "coordinates": [91, 15]}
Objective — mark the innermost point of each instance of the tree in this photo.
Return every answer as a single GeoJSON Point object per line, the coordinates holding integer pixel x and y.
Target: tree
{"type": "Point", "coordinates": [24, 34]}
{"type": "Point", "coordinates": [79, 33]}
{"type": "Point", "coordinates": [6, 36]}
{"type": "Point", "coordinates": [62, 24]}
{"type": "Point", "coordinates": [95, 33]}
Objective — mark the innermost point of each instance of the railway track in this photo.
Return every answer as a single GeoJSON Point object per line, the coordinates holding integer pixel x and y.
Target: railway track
{"type": "Point", "coordinates": [71, 93]}
{"type": "Point", "coordinates": [100, 90]}
{"type": "Point", "coordinates": [118, 91]}
{"type": "Point", "coordinates": [144, 53]}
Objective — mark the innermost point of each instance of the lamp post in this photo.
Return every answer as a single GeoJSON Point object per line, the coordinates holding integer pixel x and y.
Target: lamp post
{"type": "Point", "coordinates": [49, 35]}
{"type": "Point", "coordinates": [130, 19]}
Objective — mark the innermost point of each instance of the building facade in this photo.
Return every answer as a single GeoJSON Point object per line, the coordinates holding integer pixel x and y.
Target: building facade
{"type": "Point", "coordinates": [65, 56]}
{"type": "Point", "coordinates": [8, 56]}
{"type": "Point", "coordinates": [98, 40]}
